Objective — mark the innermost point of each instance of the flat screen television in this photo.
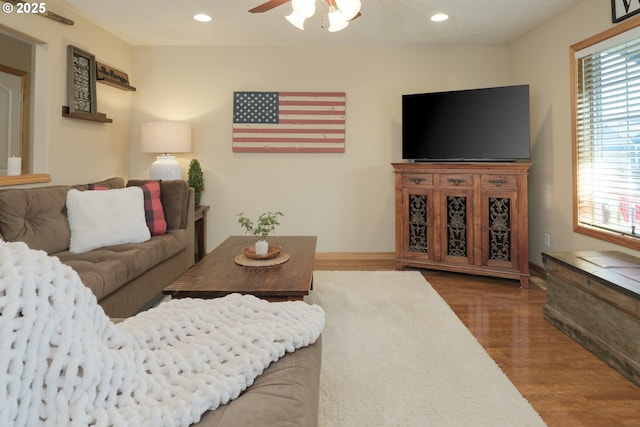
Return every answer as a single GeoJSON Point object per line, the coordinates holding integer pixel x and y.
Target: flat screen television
{"type": "Point", "coordinates": [490, 124]}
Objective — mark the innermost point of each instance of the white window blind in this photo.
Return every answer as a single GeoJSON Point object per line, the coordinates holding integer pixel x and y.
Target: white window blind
{"type": "Point", "coordinates": [607, 109]}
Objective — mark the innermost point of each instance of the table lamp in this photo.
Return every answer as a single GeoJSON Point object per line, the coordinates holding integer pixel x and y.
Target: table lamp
{"type": "Point", "coordinates": [165, 138]}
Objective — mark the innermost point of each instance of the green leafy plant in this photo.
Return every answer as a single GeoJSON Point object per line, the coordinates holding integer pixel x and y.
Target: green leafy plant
{"type": "Point", "coordinates": [264, 226]}
{"type": "Point", "coordinates": [195, 177]}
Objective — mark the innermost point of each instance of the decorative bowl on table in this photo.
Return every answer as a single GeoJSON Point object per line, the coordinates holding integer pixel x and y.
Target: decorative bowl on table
{"type": "Point", "coordinates": [250, 252]}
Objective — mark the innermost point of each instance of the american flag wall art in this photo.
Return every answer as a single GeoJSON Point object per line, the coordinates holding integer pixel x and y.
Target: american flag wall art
{"type": "Point", "coordinates": [289, 122]}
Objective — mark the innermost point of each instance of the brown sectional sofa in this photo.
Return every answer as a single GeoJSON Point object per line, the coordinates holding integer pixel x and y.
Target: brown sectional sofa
{"type": "Point", "coordinates": [125, 278]}
{"type": "Point", "coordinates": [286, 394]}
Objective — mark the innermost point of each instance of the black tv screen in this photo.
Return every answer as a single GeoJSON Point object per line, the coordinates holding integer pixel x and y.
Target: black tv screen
{"type": "Point", "coordinates": [490, 124]}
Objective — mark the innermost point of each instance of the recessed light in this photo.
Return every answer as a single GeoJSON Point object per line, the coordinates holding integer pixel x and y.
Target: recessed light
{"type": "Point", "coordinates": [439, 17]}
{"type": "Point", "coordinates": [202, 17]}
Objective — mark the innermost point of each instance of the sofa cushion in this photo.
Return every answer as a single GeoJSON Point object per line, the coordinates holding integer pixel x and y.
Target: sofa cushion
{"type": "Point", "coordinates": [38, 216]}
{"type": "Point", "coordinates": [105, 270]}
{"type": "Point", "coordinates": [286, 394]}
{"type": "Point", "coordinates": [103, 218]}
{"type": "Point", "coordinates": [112, 183]}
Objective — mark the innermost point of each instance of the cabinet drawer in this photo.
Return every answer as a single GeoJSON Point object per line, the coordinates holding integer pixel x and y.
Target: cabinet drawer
{"type": "Point", "coordinates": [417, 179]}
{"type": "Point", "coordinates": [499, 181]}
{"type": "Point", "coordinates": [456, 180]}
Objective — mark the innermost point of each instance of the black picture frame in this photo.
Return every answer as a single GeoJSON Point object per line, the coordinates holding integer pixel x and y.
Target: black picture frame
{"type": "Point", "coordinates": [623, 9]}
{"type": "Point", "coordinates": [81, 84]}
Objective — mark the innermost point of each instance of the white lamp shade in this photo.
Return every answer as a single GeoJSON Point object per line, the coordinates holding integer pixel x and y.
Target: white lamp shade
{"type": "Point", "coordinates": [166, 137]}
{"type": "Point", "coordinates": [296, 20]}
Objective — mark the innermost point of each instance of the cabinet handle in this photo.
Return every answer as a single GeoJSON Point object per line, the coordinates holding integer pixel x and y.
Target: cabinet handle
{"type": "Point", "coordinates": [456, 181]}
{"type": "Point", "coordinates": [498, 182]}
{"type": "Point", "coordinates": [417, 180]}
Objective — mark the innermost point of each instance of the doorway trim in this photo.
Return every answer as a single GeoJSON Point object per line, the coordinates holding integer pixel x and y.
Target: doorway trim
{"type": "Point", "coordinates": [24, 77]}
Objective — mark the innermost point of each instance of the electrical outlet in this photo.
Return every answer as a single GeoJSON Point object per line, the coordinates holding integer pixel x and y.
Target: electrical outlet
{"type": "Point", "coordinates": [547, 240]}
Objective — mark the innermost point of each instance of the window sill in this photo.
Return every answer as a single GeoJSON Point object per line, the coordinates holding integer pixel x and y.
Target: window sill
{"type": "Point", "coordinates": [608, 236]}
{"type": "Point", "coordinates": [24, 179]}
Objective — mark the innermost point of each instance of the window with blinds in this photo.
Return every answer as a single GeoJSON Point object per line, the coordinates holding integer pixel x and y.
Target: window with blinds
{"type": "Point", "coordinates": [607, 138]}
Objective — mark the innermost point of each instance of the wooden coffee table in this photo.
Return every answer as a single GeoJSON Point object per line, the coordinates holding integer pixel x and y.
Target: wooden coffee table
{"type": "Point", "coordinates": [217, 274]}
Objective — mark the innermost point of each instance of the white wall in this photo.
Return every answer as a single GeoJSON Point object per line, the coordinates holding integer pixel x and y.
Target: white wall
{"type": "Point", "coordinates": [347, 200]}
{"type": "Point", "coordinates": [75, 151]}
{"type": "Point", "coordinates": [542, 59]}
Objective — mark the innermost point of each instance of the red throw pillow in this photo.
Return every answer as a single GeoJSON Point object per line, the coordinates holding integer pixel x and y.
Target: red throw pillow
{"type": "Point", "coordinates": [97, 187]}
{"type": "Point", "coordinates": [153, 212]}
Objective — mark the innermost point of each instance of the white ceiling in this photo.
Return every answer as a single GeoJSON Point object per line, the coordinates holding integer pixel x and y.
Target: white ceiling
{"type": "Point", "coordinates": [383, 22]}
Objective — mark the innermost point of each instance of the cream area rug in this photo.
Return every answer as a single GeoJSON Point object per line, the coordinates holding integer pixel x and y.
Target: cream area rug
{"type": "Point", "coordinates": [395, 354]}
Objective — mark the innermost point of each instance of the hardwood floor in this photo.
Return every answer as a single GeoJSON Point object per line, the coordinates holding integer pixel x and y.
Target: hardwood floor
{"type": "Point", "coordinates": [565, 383]}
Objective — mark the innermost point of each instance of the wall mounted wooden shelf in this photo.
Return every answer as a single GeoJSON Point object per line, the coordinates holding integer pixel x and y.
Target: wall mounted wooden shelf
{"type": "Point", "coordinates": [98, 117]}
{"type": "Point", "coordinates": [115, 83]}
{"type": "Point", "coordinates": [113, 77]}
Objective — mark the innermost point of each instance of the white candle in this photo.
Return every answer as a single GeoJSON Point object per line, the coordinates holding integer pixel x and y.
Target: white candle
{"type": "Point", "coordinates": [14, 166]}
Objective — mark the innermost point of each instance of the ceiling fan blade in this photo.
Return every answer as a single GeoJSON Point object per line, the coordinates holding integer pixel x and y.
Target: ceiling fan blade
{"type": "Point", "coordinates": [264, 7]}
{"type": "Point", "coordinates": [356, 17]}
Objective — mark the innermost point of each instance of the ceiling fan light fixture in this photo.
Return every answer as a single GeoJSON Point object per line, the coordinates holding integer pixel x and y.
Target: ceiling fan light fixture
{"type": "Point", "coordinates": [296, 19]}
{"type": "Point", "coordinates": [304, 8]}
{"type": "Point", "coordinates": [336, 20]}
{"type": "Point", "coordinates": [349, 8]}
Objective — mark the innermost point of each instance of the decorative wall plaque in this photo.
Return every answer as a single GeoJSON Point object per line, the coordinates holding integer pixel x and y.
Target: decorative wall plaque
{"type": "Point", "coordinates": [81, 85]}
{"type": "Point", "coordinates": [109, 75]}
{"type": "Point", "coordinates": [289, 122]}
{"type": "Point", "coordinates": [623, 9]}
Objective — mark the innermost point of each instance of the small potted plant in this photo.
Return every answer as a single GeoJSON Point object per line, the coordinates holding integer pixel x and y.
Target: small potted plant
{"type": "Point", "coordinates": [195, 179]}
{"type": "Point", "coordinates": [264, 226]}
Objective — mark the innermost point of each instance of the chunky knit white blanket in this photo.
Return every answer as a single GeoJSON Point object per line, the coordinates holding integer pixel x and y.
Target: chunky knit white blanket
{"type": "Point", "coordinates": [63, 362]}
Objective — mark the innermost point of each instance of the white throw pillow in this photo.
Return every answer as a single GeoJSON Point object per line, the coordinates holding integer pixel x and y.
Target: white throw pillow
{"type": "Point", "coordinates": [105, 218]}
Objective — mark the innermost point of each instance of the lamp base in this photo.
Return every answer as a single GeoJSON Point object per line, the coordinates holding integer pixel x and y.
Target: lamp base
{"type": "Point", "coordinates": [166, 167]}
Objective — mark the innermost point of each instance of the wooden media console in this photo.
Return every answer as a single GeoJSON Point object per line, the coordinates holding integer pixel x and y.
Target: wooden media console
{"type": "Point", "coordinates": [463, 217]}
{"type": "Point", "coordinates": [594, 297]}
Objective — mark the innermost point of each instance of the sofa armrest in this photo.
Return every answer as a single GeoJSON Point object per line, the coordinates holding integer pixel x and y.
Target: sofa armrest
{"type": "Point", "coordinates": [191, 229]}
{"type": "Point", "coordinates": [178, 202]}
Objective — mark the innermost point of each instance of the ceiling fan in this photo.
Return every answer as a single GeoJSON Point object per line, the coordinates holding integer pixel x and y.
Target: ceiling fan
{"type": "Point", "coordinates": [340, 12]}
{"type": "Point", "coordinates": [267, 6]}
